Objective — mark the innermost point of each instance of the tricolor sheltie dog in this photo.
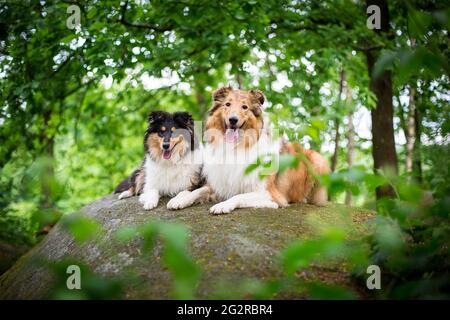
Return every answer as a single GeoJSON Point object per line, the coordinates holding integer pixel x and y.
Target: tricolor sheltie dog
{"type": "Point", "coordinates": [172, 161]}
{"type": "Point", "coordinates": [237, 134]}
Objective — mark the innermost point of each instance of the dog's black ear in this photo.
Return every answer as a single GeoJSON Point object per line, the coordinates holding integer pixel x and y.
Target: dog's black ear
{"type": "Point", "coordinates": [221, 93]}
{"type": "Point", "coordinates": [156, 116]}
{"type": "Point", "coordinates": [258, 96]}
{"type": "Point", "coordinates": [183, 119]}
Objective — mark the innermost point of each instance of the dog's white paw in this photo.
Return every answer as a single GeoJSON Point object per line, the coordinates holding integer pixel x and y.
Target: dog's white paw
{"type": "Point", "coordinates": [267, 204]}
{"type": "Point", "coordinates": [125, 194]}
{"type": "Point", "coordinates": [180, 201]}
{"type": "Point", "coordinates": [222, 207]}
{"type": "Point", "coordinates": [149, 201]}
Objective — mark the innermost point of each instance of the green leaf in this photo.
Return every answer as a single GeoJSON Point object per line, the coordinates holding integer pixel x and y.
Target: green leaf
{"type": "Point", "coordinates": [301, 253]}
{"type": "Point", "coordinates": [287, 161]}
{"type": "Point", "coordinates": [125, 234]}
{"type": "Point", "coordinates": [384, 62]}
{"type": "Point", "coordinates": [81, 227]}
{"type": "Point", "coordinates": [252, 166]}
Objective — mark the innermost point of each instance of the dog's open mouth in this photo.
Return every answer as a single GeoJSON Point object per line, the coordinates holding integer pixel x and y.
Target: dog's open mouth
{"type": "Point", "coordinates": [232, 134]}
{"type": "Point", "coordinates": [167, 154]}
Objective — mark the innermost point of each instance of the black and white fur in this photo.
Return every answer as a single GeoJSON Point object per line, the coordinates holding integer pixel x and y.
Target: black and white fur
{"type": "Point", "coordinates": [172, 161]}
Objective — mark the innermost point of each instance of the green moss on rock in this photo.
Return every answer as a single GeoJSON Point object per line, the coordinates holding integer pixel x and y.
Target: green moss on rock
{"type": "Point", "coordinates": [241, 245]}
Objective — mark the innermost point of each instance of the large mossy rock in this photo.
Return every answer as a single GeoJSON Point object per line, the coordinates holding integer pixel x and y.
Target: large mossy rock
{"type": "Point", "coordinates": [243, 244]}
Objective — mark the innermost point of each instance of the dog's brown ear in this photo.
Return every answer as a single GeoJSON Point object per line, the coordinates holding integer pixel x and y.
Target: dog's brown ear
{"type": "Point", "coordinates": [258, 96]}
{"type": "Point", "coordinates": [221, 93]}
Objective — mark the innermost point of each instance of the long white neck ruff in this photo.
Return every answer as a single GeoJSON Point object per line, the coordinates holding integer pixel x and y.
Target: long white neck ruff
{"type": "Point", "coordinates": [172, 176]}
{"type": "Point", "coordinates": [224, 164]}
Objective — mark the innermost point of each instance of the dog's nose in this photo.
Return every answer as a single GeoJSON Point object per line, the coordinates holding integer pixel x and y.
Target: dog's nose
{"type": "Point", "coordinates": [233, 120]}
{"type": "Point", "coordinates": [166, 145]}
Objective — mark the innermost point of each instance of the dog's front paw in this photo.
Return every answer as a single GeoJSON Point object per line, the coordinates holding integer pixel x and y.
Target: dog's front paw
{"type": "Point", "coordinates": [222, 207]}
{"type": "Point", "coordinates": [148, 200]}
{"type": "Point", "coordinates": [182, 200]}
{"type": "Point", "coordinates": [177, 203]}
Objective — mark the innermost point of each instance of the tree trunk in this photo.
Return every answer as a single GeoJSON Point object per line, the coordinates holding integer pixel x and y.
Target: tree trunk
{"type": "Point", "coordinates": [417, 159]}
{"type": "Point", "coordinates": [200, 97]}
{"type": "Point", "coordinates": [201, 102]}
{"type": "Point", "coordinates": [350, 142]}
{"type": "Point", "coordinates": [239, 80]}
{"type": "Point", "coordinates": [350, 152]}
{"type": "Point", "coordinates": [383, 142]}
{"type": "Point", "coordinates": [47, 143]}
{"type": "Point", "coordinates": [410, 130]}
{"type": "Point", "coordinates": [337, 121]}
{"type": "Point", "coordinates": [336, 145]}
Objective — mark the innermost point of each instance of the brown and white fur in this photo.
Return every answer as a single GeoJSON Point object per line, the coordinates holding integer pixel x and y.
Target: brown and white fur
{"type": "Point", "coordinates": [172, 160]}
{"type": "Point", "coordinates": [237, 134]}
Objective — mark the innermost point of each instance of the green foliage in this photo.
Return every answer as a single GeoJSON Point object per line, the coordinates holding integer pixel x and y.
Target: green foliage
{"type": "Point", "coordinates": [287, 161]}
{"type": "Point", "coordinates": [409, 243]}
{"type": "Point", "coordinates": [183, 268]}
{"type": "Point", "coordinates": [75, 102]}
{"type": "Point", "coordinates": [175, 253]}
{"type": "Point", "coordinates": [93, 287]}
{"type": "Point", "coordinates": [301, 253]}
{"type": "Point", "coordinates": [81, 227]}
{"type": "Point", "coordinates": [17, 225]}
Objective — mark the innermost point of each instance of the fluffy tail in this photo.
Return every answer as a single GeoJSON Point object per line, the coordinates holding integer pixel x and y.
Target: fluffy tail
{"type": "Point", "coordinates": [123, 186]}
{"type": "Point", "coordinates": [128, 183]}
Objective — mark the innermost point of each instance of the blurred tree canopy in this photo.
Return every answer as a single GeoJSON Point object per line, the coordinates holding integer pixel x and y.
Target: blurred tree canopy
{"type": "Point", "coordinates": [75, 100]}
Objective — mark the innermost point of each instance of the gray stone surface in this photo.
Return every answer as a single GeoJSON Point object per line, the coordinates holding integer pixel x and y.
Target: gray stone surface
{"type": "Point", "coordinates": [243, 244]}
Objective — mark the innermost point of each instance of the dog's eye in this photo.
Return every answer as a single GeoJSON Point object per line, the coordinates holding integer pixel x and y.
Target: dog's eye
{"type": "Point", "coordinates": [245, 107]}
{"type": "Point", "coordinates": [228, 104]}
{"type": "Point", "coordinates": [161, 131]}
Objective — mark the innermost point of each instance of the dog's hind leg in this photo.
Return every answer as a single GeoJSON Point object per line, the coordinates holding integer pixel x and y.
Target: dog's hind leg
{"type": "Point", "coordinates": [318, 195]}
{"type": "Point", "coordinates": [126, 194]}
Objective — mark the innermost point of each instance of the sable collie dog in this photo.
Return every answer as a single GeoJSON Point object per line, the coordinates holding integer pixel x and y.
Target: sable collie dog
{"type": "Point", "coordinates": [237, 134]}
{"type": "Point", "coordinates": [172, 161]}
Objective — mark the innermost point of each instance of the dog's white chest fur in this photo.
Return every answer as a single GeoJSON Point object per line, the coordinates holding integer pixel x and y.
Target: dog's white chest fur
{"type": "Point", "coordinates": [169, 178]}
{"type": "Point", "coordinates": [224, 167]}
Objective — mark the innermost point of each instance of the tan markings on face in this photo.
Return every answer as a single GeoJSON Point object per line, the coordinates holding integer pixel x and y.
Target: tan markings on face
{"type": "Point", "coordinates": [174, 141]}
{"type": "Point", "coordinates": [173, 129]}
{"type": "Point", "coordinates": [214, 125]}
{"type": "Point", "coordinates": [181, 148]}
{"type": "Point", "coordinates": [242, 104]}
{"type": "Point", "coordinates": [154, 143]}
{"type": "Point", "coordinates": [163, 129]}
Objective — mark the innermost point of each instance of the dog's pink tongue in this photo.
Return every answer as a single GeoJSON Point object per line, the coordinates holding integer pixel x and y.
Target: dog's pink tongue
{"type": "Point", "coordinates": [167, 154]}
{"type": "Point", "coordinates": [231, 135]}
